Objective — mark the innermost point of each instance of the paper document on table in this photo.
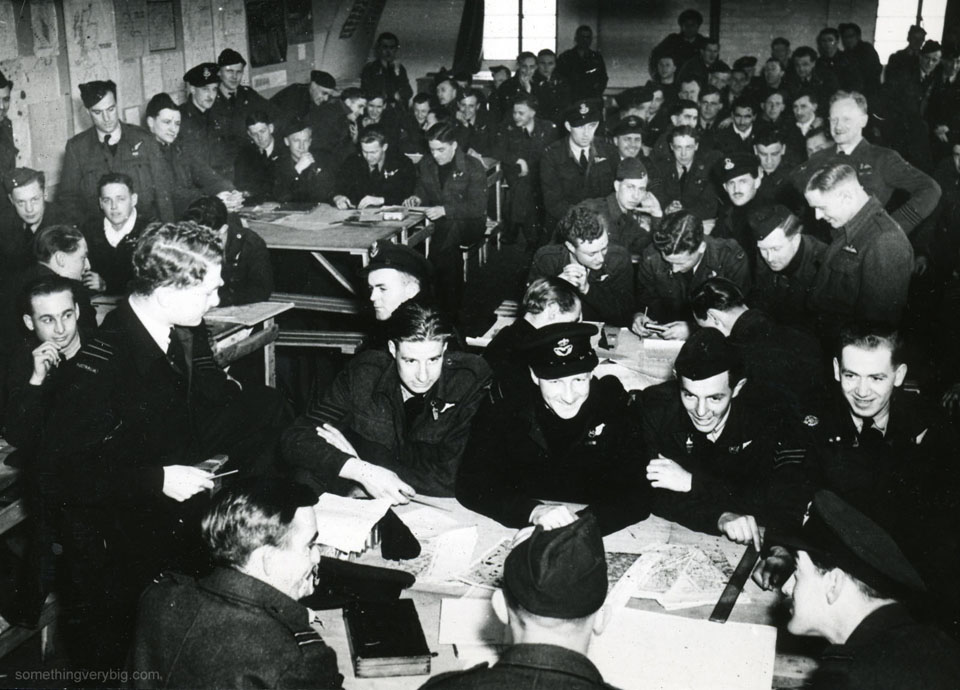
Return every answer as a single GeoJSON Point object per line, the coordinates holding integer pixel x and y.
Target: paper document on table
{"type": "Point", "coordinates": [345, 523]}
{"type": "Point", "coordinates": [642, 649]}
{"type": "Point", "coordinates": [427, 523]}
{"type": "Point", "coordinates": [323, 216]}
{"type": "Point", "coordinates": [443, 559]}
{"type": "Point", "coordinates": [682, 576]}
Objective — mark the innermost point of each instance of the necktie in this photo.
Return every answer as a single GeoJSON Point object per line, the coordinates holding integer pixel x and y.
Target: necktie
{"type": "Point", "coordinates": [583, 162]}
{"type": "Point", "coordinates": [175, 354]}
{"type": "Point", "coordinates": [375, 173]}
{"type": "Point", "coordinates": [683, 176]}
{"type": "Point", "coordinates": [870, 435]}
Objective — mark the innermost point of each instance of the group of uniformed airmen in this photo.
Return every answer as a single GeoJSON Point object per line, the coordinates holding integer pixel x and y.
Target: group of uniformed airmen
{"type": "Point", "coordinates": [787, 425]}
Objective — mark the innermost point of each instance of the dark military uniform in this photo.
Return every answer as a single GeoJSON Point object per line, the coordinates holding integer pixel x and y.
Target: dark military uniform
{"type": "Point", "coordinates": [505, 95]}
{"type": "Point", "coordinates": [732, 224]}
{"type": "Point", "coordinates": [905, 480]}
{"type": "Point", "coordinates": [629, 229]}
{"type": "Point", "coordinates": [315, 184]}
{"type": "Point", "coordinates": [126, 410]}
{"type": "Point", "coordinates": [731, 474]}
{"type": "Point", "coordinates": [207, 136]}
{"type": "Point", "coordinates": [586, 73]}
{"type": "Point", "coordinates": [8, 150]}
{"type": "Point", "coordinates": [697, 192]}
{"type": "Point", "coordinates": [292, 103]}
{"type": "Point", "coordinates": [247, 273]}
{"type": "Point", "coordinates": [86, 160]}
{"type": "Point", "coordinates": [461, 188]}
{"type": "Point", "coordinates": [391, 80]}
{"type": "Point", "coordinates": [865, 60]}
{"type": "Point", "coordinates": [366, 404]}
{"type": "Point", "coordinates": [190, 175]}
{"type": "Point", "coordinates": [513, 144]}
{"type": "Point", "coordinates": [113, 264]}
{"type": "Point", "coordinates": [728, 141]}
{"type": "Point", "coordinates": [565, 184]}
{"type": "Point", "coordinates": [881, 171]}
{"type": "Point", "coordinates": [776, 187]}
{"type": "Point", "coordinates": [608, 298]}
{"type": "Point", "coordinates": [331, 130]}
{"type": "Point", "coordinates": [843, 69]}
{"type": "Point", "coordinates": [228, 630]}
{"type": "Point", "coordinates": [521, 451]}
{"type": "Point", "coordinates": [666, 294]}
{"type": "Point", "coordinates": [255, 172]}
{"type": "Point", "coordinates": [784, 295]}
{"type": "Point", "coordinates": [679, 48]}
{"type": "Point", "coordinates": [232, 111]}
{"type": "Point", "coordinates": [554, 96]}
{"type": "Point", "coordinates": [889, 650]}
{"type": "Point", "coordinates": [823, 84]}
{"type": "Point", "coordinates": [865, 272]}
{"type": "Point", "coordinates": [16, 237]}
{"type": "Point", "coordinates": [479, 135]}
{"type": "Point", "coordinates": [394, 180]}
{"type": "Point", "coordinates": [526, 666]}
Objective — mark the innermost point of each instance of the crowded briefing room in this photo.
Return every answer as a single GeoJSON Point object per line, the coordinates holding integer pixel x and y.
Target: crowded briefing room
{"type": "Point", "coordinates": [400, 344]}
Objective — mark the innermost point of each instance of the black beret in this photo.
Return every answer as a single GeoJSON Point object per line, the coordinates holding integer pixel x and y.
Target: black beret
{"type": "Point", "coordinates": [737, 164]}
{"type": "Point", "coordinates": [400, 258]}
{"type": "Point", "coordinates": [629, 125]}
{"type": "Point", "coordinates": [559, 573]}
{"type": "Point", "coordinates": [930, 47]}
{"type": "Point", "coordinates": [560, 349]}
{"type": "Point", "coordinates": [93, 92]}
{"type": "Point", "coordinates": [718, 67]}
{"type": "Point", "coordinates": [638, 94]}
{"type": "Point", "coordinates": [203, 74]}
{"type": "Point", "coordinates": [584, 111]}
{"type": "Point", "coordinates": [845, 538]}
{"type": "Point", "coordinates": [228, 56]}
{"type": "Point", "coordinates": [324, 79]}
{"type": "Point", "coordinates": [765, 219]}
{"type": "Point", "coordinates": [631, 169]}
{"type": "Point", "coordinates": [745, 61]}
{"type": "Point", "coordinates": [4, 82]}
{"type": "Point", "coordinates": [161, 101]}
{"type": "Point", "coordinates": [706, 353]}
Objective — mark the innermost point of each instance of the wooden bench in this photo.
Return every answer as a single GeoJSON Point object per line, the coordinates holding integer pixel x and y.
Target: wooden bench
{"type": "Point", "coordinates": [330, 305]}
{"type": "Point", "coordinates": [345, 341]}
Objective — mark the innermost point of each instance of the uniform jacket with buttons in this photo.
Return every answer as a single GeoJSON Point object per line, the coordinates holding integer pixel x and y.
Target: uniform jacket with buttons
{"type": "Point", "coordinates": [609, 298]}
{"type": "Point", "coordinates": [208, 136]}
{"type": "Point", "coordinates": [586, 73]}
{"type": "Point", "coordinates": [631, 230]}
{"type": "Point", "coordinates": [732, 474]}
{"type": "Point", "coordinates": [255, 172]}
{"type": "Point", "coordinates": [866, 269]}
{"type": "Point", "coordinates": [784, 295]}
{"type": "Point", "coordinates": [564, 184]}
{"type": "Point", "coordinates": [86, 160]}
{"type": "Point", "coordinates": [366, 405]}
{"type": "Point", "coordinates": [232, 112]}
{"type": "Point", "coordinates": [247, 272]}
{"type": "Point", "coordinates": [8, 150]}
{"type": "Point", "coordinates": [881, 171]}
{"type": "Point", "coordinates": [698, 194]}
{"type": "Point", "coordinates": [314, 184]}
{"type": "Point", "coordinates": [190, 175]}
{"type": "Point", "coordinates": [667, 294]}
{"type": "Point", "coordinates": [395, 182]}
{"type": "Point", "coordinates": [511, 464]}
{"type": "Point", "coordinates": [463, 196]}
{"type": "Point", "coordinates": [227, 630]}
{"type": "Point", "coordinates": [388, 79]}
{"type": "Point", "coordinates": [113, 264]}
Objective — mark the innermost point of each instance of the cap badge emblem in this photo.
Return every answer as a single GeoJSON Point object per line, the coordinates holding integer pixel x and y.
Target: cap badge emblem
{"type": "Point", "coordinates": [584, 109]}
{"type": "Point", "coordinates": [374, 250]}
{"type": "Point", "coordinates": [563, 348]}
{"type": "Point", "coordinates": [728, 164]}
{"type": "Point", "coordinates": [810, 420]}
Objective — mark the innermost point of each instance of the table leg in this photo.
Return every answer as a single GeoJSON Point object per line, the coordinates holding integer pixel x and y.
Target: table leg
{"type": "Point", "coordinates": [270, 359]}
{"type": "Point", "coordinates": [332, 270]}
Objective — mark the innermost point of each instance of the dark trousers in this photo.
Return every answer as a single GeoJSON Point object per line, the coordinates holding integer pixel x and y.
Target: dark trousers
{"type": "Point", "coordinates": [447, 259]}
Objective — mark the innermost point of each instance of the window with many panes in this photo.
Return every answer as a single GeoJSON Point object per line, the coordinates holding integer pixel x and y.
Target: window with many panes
{"type": "Point", "coordinates": [513, 26]}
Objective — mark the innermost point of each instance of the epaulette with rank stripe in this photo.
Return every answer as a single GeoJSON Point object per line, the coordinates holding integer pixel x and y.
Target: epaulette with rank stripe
{"type": "Point", "coordinates": [306, 637]}
{"type": "Point", "coordinates": [787, 456]}
{"type": "Point", "coordinates": [93, 354]}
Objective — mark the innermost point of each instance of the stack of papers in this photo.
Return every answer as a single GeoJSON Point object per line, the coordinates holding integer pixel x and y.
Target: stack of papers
{"type": "Point", "coordinates": [680, 576]}
{"type": "Point", "coordinates": [345, 523]}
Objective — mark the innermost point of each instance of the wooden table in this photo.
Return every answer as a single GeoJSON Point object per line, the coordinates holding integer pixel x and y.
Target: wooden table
{"type": "Point", "coordinates": [327, 229]}
{"type": "Point", "coordinates": [238, 331]}
{"type": "Point", "coordinates": [790, 669]}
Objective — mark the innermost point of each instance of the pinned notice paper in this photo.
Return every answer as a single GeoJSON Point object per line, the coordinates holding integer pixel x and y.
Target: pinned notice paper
{"type": "Point", "coordinates": [345, 523]}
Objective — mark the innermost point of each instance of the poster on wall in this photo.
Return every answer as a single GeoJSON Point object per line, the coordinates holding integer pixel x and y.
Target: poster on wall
{"type": "Point", "coordinates": [299, 21]}
{"type": "Point", "coordinates": [160, 25]}
{"type": "Point", "coordinates": [46, 35]}
{"type": "Point", "coordinates": [267, 32]}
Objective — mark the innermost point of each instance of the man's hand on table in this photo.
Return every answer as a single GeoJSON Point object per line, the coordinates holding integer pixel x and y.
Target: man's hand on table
{"type": "Point", "coordinates": [552, 517]}
{"type": "Point", "coordinates": [436, 212]}
{"type": "Point", "coordinates": [775, 569]}
{"type": "Point", "coordinates": [378, 482]}
{"type": "Point", "coordinates": [675, 330]}
{"type": "Point", "coordinates": [742, 529]}
{"type": "Point", "coordinates": [664, 473]}
{"type": "Point", "coordinates": [369, 200]}
{"type": "Point", "coordinates": [342, 202]}
{"type": "Point", "coordinates": [232, 199]}
{"type": "Point", "coordinates": [412, 201]}
{"type": "Point", "coordinates": [180, 482]}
